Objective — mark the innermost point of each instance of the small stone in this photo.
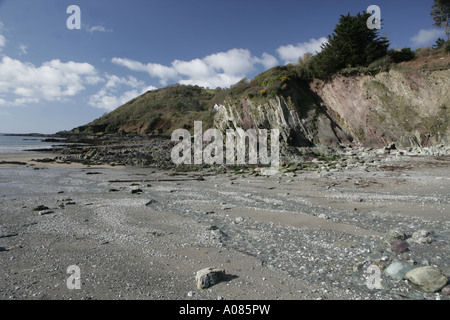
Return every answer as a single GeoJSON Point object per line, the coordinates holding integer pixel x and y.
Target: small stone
{"type": "Point", "coordinates": [45, 212]}
{"type": "Point", "coordinates": [191, 293]}
{"type": "Point", "coordinates": [425, 262]}
{"type": "Point", "coordinates": [394, 234]}
{"type": "Point", "coordinates": [398, 269]}
{"type": "Point", "coordinates": [360, 266]}
{"type": "Point", "coordinates": [40, 208]}
{"type": "Point", "coordinates": [239, 219]}
{"type": "Point", "coordinates": [208, 277]}
{"type": "Point", "coordinates": [421, 237]}
{"type": "Point", "coordinates": [429, 279]}
{"type": "Point", "coordinates": [148, 204]}
{"type": "Point", "coordinates": [446, 290]}
{"type": "Point", "coordinates": [8, 235]}
{"type": "Point", "coordinates": [400, 246]}
{"type": "Point", "coordinates": [323, 216]}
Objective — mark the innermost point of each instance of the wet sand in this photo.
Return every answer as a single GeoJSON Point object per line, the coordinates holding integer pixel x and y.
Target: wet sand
{"type": "Point", "coordinates": [288, 236]}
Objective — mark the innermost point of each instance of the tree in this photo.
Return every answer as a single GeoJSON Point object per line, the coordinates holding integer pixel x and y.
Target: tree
{"type": "Point", "coordinates": [351, 45]}
{"type": "Point", "coordinates": [402, 55]}
{"type": "Point", "coordinates": [440, 13]}
{"type": "Point", "coordinates": [440, 43]}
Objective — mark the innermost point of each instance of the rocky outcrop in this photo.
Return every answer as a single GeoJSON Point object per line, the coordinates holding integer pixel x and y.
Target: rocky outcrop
{"type": "Point", "coordinates": [300, 125]}
{"type": "Point", "coordinates": [410, 108]}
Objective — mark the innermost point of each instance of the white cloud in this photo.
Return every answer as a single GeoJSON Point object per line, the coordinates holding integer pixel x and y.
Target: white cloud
{"type": "Point", "coordinates": [427, 36]}
{"type": "Point", "coordinates": [96, 29]}
{"type": "Point", "coordinates": [165, 74]}
{"type": "Point", "coordinates": [268, 61]}
{"type": "Point", "coordinates": [23, 49]}
{"type": "Point", "coordinates": [2, 37]}
{"type": "Point", "coordinates": [291, 53]}
{"type": "Point", "coordinates": [111, 95]}
{"type": "Point", "coordinates": [52, 81]}
{"type": "Point", "coordinates": [221, 69]}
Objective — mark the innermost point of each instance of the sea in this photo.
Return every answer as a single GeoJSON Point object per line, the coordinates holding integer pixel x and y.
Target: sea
{"type": "Point", "coordinates": [20, 144]}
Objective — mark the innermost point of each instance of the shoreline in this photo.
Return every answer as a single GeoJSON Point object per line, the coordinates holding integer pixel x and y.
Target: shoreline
{"type": "Point", "coordinates": [26, 158]}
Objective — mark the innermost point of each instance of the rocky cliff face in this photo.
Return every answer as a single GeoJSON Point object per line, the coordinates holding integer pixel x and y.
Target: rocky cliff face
{"type": "Point", "coordinates": [408, 107]}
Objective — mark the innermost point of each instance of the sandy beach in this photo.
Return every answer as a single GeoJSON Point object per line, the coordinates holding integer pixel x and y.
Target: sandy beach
{"type": "Point", "coordinates": [142, 233]}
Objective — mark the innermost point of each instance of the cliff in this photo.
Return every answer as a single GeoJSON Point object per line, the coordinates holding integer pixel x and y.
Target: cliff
{"type": "Point", "coordinates": [408, 105]}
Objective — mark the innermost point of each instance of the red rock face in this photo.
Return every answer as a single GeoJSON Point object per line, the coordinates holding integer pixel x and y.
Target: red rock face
{"type": "Point", "coordinates": [410, 106]}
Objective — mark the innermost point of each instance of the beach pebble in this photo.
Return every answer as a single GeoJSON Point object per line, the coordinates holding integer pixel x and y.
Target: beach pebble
{"type": "Point", "coordinates": [398, 269]}
{"type": "Point", "coordinates": [40, 208]}
{"type": "Point", "coordinates": [239, 219]}
{"type": "Point", "coordinates": [394, 234]}
{"type": "Point", "coordinates": [45, 212]}
{"type": "Point", "coordinates": [446, 290]}
{"type": "Point", "coordinates": [421, 237]}
{"type": "Point", "coordinates": [323, 216]}
{"type": "Point", "coordinates": [400, 246]}
{"type": "Point", "coordinates": [429, 279]}
{"type": "Point", "coordinates": [208, 277]}
{"type": "Point", "coordinates": [150, 203]}
{"type": "Point", "coordinates": [191, 294]}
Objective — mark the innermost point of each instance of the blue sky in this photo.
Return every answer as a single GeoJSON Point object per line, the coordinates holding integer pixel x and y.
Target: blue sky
{"type": "Point", "coordinates": [53, 78]}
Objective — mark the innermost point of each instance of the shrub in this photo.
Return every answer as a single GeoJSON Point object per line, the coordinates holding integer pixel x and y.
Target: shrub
{"type": "Point", "coordinates": [402, 55]}
{"type": "Point", "coordinates": [383, 63]}
{"type": "Point", "coordinates": [440, 43]}
{"type": "Point", "coordinates": [424, 52]}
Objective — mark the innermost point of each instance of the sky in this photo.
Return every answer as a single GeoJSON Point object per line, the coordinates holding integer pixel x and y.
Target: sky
{"type": "Point", "coordinates": [54, 77]}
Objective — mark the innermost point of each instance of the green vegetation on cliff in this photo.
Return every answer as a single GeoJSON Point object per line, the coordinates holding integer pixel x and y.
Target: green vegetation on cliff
{"type": "Point", "coordinates": [158, 112]}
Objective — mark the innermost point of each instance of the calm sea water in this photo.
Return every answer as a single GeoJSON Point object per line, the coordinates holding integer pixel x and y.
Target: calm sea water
{"type": "Point", "coordinates": [17, 144]}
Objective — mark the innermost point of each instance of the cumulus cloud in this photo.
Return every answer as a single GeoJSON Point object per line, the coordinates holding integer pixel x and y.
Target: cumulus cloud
{"type": "Point", "coordinates": [291, 53]}
{"type": "Point", "coordinates": [221, 69]}
{"type": "Point", "coordinates": [113, 94]}
{"type": "Point", "coordinates": [52, 81]}
{"type": "Point", "coordinates": [427, 36]}
{"type": "Point", "coordinates": [163, 73]}
{"type": "Point", "coordinates": [23, 83]}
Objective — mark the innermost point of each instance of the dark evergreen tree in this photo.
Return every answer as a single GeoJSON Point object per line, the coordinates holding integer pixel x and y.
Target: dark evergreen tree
{"type": "Point", "coordinates": [440, 13]}
{"type": "Point", "coordinates": [352, 44]}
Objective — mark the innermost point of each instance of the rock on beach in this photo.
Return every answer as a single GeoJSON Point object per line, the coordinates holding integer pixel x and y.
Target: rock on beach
{"type": "Point", "coordinates": [208, 277]}
{"type": "Point", "coordinates": [429, 279]}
